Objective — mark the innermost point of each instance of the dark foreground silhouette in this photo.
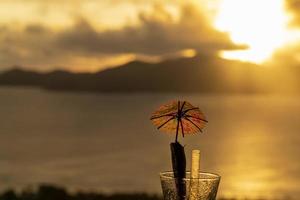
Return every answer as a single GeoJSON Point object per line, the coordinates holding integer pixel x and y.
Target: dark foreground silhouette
{"type": "Point", "coordinates": [49, 192]}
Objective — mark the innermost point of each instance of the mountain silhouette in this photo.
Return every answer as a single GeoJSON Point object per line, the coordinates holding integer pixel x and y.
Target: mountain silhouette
{"type": "Point", "coordinates": [200, 74]}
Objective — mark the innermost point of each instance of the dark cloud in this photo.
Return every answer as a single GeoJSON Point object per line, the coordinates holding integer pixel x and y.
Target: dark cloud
{"type": "Point", "coordinates": [35, 29]}
{"type": "Point", "coordinates": [288, 55]}
{"type": "Point", "coordinates": [156, 34]}
{"type": "Point", "coordinates": [294, 7]}
{"type": "Point", "coordinates": [34, 46]}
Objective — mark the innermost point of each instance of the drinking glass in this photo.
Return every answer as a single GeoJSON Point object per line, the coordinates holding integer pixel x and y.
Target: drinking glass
{"type": "Point", "coordinates": [203, 188]}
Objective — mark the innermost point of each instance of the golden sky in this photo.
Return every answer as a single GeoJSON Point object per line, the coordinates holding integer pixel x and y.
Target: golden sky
{"type": "Point", "coordinates": [89, 35]}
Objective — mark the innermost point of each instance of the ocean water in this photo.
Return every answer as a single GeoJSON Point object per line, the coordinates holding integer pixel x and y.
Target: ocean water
{"type": "Point", "coordinates": [106, 142]}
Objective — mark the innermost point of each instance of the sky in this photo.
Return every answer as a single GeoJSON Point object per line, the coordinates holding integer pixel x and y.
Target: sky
{"type": "Point", "coordinates": [91, 35]}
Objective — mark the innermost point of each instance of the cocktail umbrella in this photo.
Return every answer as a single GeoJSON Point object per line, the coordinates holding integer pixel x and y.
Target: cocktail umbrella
{"type": "Point", "coordinates": [179, 117]}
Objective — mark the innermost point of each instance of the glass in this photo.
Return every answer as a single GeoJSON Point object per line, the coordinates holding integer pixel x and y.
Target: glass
{"type": "Point", "coordinates": [203, 188]}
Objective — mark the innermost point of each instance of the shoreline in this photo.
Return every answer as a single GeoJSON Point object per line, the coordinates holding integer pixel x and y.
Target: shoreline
{"type": "Point", "coordinates": [54, 192]}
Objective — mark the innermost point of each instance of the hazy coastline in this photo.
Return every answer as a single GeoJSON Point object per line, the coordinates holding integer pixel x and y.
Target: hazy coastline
{"type": "Point", "coordinates": [53, 192]}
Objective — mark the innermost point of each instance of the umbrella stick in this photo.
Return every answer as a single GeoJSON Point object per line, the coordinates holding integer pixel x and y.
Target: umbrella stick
{"type": "Point", "coordinates": [177, 131]}
{"type": "Point", "coordinates": [179, 167]}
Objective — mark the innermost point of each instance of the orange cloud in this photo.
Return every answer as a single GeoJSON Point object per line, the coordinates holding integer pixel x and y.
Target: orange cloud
{"type": "Point", "coordinates": [293, 6]}
{"type": "Point", "coordinates": [156, 34]}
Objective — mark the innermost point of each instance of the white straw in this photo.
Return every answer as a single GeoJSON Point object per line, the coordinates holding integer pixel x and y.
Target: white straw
{"type": "Point", "coordinates": [195, 170]}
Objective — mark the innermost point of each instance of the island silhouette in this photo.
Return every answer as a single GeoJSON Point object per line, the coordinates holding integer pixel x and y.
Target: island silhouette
{"type": "Point", "coordinates": [200, 74]}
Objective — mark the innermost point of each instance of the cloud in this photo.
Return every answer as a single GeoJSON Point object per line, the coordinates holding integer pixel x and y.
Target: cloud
{"type": "Point", "coordinates": [156, 34]}
{"type": "Point", "coordinates": [32, 45]}
{"type": "Point", "coordinates": [288, 55]}
{"type": "Point", "coordinates": [293, 6]}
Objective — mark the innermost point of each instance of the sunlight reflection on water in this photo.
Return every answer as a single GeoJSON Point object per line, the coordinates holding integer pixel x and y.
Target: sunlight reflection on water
{"type": "Point", "coordinates": [81, 140]}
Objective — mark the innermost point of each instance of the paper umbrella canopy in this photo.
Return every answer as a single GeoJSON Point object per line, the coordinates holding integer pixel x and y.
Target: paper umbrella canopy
{"type": "Point", "coordinates": [179, 117]}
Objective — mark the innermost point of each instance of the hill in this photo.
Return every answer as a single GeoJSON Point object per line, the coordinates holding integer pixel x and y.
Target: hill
{"type": "Point", "coordinates": [201, 74]}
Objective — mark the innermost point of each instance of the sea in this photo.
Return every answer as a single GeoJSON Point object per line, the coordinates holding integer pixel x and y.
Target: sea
{"type": "Point", "coordinates": [106, 142]}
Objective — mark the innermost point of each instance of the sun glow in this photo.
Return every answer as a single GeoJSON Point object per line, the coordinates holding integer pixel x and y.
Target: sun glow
{"type": "Point", "coordinates": [260, 24]}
